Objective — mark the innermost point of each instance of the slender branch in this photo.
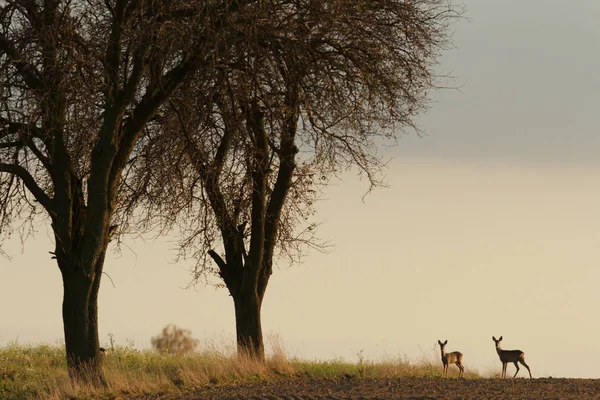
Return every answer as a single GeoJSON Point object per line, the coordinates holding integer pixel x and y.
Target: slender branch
{"type": "Point", "coordinates": [29, 73]}
{"type": "Point", "coordinates": [210, 178]}
{"type": "Point", "coordinates": [109, 7]}
{"type": "Point", "coordinates": [23, 130]}
{"type": "Point", "coordinates": [27, 129]}
{"type": "Point", "coordinates": [8, 145]}
{"type": "Point", "coordinates": [30, 183]}
{"type": "Point", "coordinates": [111, 280]}
{"type": "Point", "coordinates": [146, 109]}
{"type": "Point", "coordinates": [125, 95]}
{"type": "Point", "coordinates": [113, 49]}
{"type": "Point", "coordinates": [224, 146]}
{"type": "Point", "coordinates": [31, 10]}
{"type": "Point", "coordinates": [40, 156]}
{"type": "Point", "coordinates": [131, 8]}
{"type": "Point", "coordinates": [15, 127]}
{"type": "Point", "coordinates": [85, 48]}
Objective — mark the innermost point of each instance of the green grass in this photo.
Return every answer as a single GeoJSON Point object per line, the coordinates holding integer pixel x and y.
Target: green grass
{"type": "Point", "coordinates": [40, 372]}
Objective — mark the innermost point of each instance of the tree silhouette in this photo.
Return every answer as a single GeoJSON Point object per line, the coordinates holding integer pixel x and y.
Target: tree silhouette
{"type": "Point", "coordinates": [80, 81]}
{"type": "Point", "coordinates": [304, 91]}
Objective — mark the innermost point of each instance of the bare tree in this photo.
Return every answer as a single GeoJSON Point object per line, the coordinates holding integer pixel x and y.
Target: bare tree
{"type": "Point", "coordinates": [304, 91]}
{"type": "Point", "coordinates": [79, 82]}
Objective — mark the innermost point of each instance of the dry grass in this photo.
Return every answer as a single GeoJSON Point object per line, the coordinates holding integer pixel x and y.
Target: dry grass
{"type": "Point", "coordinates": [40, 371]}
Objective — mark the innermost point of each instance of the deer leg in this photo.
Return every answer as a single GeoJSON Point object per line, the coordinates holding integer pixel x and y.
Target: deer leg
{"type": "Point", "coordinates": [517, 366]}
{"type": "Point", "coordinates": [461, 368]}
{"type": "Point", "coordinates": [526, 366]}
{"type": "Point", "coordinates": [445, 370]}
{"type": "Point", "coordinates": [503, 370]}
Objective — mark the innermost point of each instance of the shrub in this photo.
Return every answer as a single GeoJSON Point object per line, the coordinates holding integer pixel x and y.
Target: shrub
{"type": "Point", "coordinates": [174, 341]}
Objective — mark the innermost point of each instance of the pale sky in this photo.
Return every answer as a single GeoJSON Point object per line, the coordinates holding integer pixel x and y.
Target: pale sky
{"type": "Point", "coordinates": [490, 225]}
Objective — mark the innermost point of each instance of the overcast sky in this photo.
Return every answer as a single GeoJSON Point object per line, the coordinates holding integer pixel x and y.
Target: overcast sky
{"type": "Point", "coordinates": [490, 225]}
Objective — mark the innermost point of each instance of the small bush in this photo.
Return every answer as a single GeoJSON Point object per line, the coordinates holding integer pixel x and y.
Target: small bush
{"type": "Point", "coordinates": [174, 341]}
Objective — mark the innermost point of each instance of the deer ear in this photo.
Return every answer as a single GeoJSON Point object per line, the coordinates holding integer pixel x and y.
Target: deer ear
{"type": "Point", "coordinates": [446, 342]}
{"type": "Point", "coordinates": [440, 342]}
{"type": "Point", "coordinates": [494, 338]}
{"type": "Point", "coordinates": [500, 338]}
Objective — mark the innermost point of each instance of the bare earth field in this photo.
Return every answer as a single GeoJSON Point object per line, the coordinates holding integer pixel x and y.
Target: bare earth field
{"type": "Point", "coordinates": [407, 388]}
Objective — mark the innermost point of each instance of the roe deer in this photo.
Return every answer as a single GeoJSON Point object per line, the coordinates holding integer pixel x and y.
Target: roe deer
{"type": "Point", "coordinates": [513, 356]}
{"type": "Point", "coordinates": [451, 358]}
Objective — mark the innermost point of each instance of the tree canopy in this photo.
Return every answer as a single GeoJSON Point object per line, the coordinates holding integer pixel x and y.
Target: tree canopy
{"type": "Point", "coordinates": [304, 91]}
{"type": "Point", "coordinates": [80, 80]}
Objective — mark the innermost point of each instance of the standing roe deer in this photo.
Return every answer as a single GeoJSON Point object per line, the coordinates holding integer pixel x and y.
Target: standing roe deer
{"type": "Point", "coordinates": [451, 358]}
{"type": "Point", "coordinates": [513, 356]}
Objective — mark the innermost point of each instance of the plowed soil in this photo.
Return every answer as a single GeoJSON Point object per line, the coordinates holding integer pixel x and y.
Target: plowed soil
{"type": "Point", "coordinates": [407, 388]}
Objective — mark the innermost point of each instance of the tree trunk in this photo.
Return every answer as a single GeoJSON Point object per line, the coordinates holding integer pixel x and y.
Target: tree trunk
{"type": "Point", "coordinates": [80, 321]}
{"type": "Point", "coordinates": [247, 323]}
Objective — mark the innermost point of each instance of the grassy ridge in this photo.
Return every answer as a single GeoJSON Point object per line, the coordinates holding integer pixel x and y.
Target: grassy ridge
{"type": "Point", "coordinates": [41, 372]}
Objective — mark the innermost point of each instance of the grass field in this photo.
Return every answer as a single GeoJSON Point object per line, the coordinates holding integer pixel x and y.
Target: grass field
{"type": "Point", "coordinates": [40, 372]}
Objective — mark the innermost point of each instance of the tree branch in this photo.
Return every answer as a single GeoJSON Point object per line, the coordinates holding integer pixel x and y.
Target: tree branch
{"type": "Point", "coordinates": [146, 109]}
{"type": "Point", "coordinates": [30, 183]}
{"type": "Point", "coordinates": [8, 145]}
{"type": "Point", "coordinates": [29, 73]}
{"type": "Point", "coordinates": [259, 166]}
{"type": "Point", "coordinates": [210, 178]}
{"type": "Point", "coordinates": [113, 49]}
{"type": "Point", "coordinates": [224, 146]}
{"type": "Point", "coordinates": [40, 156]}
{"type": "Point", "coordinates": [24, 131]}
{"type": "Point", "coordinates": [16, 127]}
{"type": "Point", "coordinates": [125, 95]}
{"type": "Point", "coordinates": [218, 260]}
{"type": "Point", "coordinates": [287, 154]}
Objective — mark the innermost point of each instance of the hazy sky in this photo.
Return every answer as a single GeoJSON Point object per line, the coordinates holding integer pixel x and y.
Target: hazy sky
{"type": "Point", "coordinates": [490, 225]}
